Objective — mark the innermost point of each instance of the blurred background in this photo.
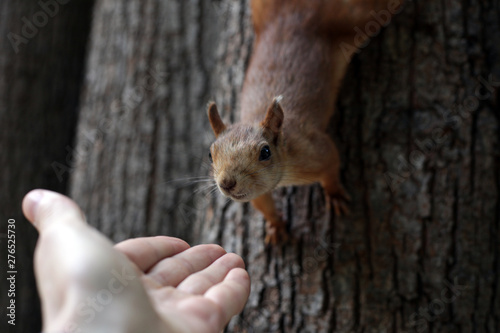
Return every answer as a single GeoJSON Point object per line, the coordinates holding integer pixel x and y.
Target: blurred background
{"type": "Point", "coordinates": [105, 101]}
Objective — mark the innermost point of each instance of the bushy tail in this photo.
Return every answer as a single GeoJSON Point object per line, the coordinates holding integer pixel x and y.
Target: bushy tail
{"type": "Point", "coordinates": [334, 17]}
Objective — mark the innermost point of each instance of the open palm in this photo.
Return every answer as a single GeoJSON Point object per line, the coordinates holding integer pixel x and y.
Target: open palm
{"type": "Point", "coordinates": [155, 284]}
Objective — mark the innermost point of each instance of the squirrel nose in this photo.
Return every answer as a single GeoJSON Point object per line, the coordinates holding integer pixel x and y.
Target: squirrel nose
{"type": "Point", "coordinates": [228, 184]}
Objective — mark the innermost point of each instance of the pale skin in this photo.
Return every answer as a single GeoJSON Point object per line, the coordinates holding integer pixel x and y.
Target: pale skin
{"type": "Point", "coordinates": [163, 284]}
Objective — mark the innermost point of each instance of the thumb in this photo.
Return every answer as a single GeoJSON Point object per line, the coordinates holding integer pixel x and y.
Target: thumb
{"type": "Point", "coordinates": [44, 208]}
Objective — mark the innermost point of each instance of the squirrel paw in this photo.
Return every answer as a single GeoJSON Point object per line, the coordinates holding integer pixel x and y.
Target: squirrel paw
{"type": "Point", "coordinates": [276, 233]}
{"type": "Point", "coordinates": [340, 200]}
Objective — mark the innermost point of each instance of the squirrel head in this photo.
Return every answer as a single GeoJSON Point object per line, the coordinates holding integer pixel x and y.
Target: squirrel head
{"type": "Point", "coordinates": [247, 158]}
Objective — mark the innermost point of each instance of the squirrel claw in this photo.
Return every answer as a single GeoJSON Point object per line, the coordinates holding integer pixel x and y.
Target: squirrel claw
{"type": "Point", "coordinates": [276, 234]}
{"type": "Point", "coordinates": [340, 207]}
{"type": "Point", "coordinates": [340, 201]}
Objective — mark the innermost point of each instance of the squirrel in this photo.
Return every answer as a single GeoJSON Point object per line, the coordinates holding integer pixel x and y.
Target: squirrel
{"type": "Point", "coordinates": [300, 55]}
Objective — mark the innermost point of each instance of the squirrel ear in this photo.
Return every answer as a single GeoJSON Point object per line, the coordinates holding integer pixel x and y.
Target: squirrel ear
{"type": "Point", "coordinates": [213, 116]}
{"type": "Point", "coordinates": [274, 116]}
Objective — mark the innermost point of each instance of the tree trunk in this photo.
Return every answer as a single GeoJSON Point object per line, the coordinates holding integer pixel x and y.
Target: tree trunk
{"type": "Point", "coordinates": [39, 92]}
{"type": "Point", "coordinates": [142, 121]}
{"type": "Point", "coordinates": [417, 127]}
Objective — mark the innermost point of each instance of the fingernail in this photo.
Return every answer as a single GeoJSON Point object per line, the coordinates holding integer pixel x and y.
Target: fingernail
{"type": "Point", "coordinates": [35, 196]}
{"type": "Point", "coordinates": [31, 203]}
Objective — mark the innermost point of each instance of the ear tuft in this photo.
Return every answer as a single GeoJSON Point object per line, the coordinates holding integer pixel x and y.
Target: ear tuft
{"type": "Point", "coordinates": [274, 116]}
{"type": "Point", "coordinates": [215, 121]}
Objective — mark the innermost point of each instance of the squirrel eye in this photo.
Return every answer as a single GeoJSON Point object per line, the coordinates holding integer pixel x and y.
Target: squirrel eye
{"type": "Point", "coordinates": [265, 153]}
{"type": "Point", "coordinates": [210, 157]}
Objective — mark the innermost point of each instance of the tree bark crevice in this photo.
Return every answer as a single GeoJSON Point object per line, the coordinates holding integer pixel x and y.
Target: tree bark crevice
{"type": "Point", "coordinates": [417, 126]}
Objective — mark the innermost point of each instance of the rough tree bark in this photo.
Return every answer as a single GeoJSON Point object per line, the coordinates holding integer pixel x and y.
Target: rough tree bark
{"type": "Point", "coordinates": [39, 92]}
{"type": "Point", "coordinates": [141, 120]}
{"type": "Point", "coordinates": [417, 126]}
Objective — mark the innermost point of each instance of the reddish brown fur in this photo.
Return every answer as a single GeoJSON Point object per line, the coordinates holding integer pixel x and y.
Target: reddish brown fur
{"type": "Point", "coordinates": [296, 55]}
{"type": "Point", "coordinates": [331, 18]}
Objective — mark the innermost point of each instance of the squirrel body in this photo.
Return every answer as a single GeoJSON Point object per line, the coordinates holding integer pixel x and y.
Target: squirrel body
{"type": "Point", "coordinates": [282, 141]}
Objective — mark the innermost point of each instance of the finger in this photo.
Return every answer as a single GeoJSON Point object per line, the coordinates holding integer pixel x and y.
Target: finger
{"type": "Point", "coordinates": [200, 282]}
{"type": "Point", "coordinates": [70, 256]}
{"type": "Point", "coordinates": [46, 208]}
{"type": "Point", "coordinates": [172, 271]}
{"type": "Point", "coordinates": [230, 295]}
{"type": "Point", "coordinates": [145, 252]}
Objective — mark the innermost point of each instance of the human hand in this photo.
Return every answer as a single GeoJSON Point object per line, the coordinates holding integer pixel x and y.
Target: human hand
{"type": "Point", "coordinates": [154, 284]}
